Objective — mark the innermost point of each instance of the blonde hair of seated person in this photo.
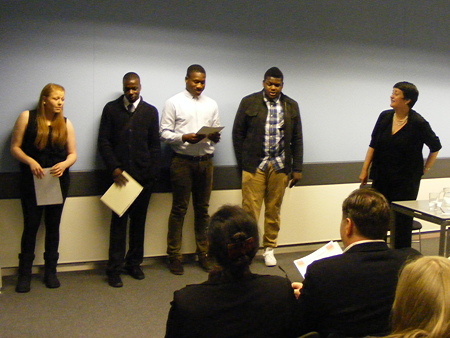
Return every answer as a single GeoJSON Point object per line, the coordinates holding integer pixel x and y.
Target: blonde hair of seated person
{"type": "Point", "coordinates": [422, 299]}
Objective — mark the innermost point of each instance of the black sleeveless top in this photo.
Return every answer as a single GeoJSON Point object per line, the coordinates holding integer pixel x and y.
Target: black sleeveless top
{"type": "Point", "coordinates": [46, 157]}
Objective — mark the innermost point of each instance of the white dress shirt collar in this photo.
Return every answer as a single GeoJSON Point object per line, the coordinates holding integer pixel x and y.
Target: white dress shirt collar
{"type": "Point", "coordinates": [127, 103]}
{"type": "Point", "coordinates": [362, 242]}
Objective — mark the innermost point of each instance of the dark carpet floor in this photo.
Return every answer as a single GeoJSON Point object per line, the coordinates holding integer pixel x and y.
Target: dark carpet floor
{"type": "Point", "coordinates": [85, 306]}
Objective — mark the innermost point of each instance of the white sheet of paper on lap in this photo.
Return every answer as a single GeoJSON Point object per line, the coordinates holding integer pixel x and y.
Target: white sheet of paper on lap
{"type": "Point", "coordinates": [330, 249]}
{"type": "Point", "coordinates": [119, 198]}
{"type": "Point", "coordinates": [48, 189]}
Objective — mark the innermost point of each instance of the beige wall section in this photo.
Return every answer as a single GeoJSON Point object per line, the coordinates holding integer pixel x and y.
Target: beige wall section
{"type": "Point", "coordinates": [309, 214]}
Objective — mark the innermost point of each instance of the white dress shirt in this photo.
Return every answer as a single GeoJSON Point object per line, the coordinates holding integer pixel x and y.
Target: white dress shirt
{"type": "Point", "coordinates": [185, 114]}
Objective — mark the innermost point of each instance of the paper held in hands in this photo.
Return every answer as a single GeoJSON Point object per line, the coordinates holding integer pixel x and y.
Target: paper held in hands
{"type": "Point", "coordinates": [119, 198]}
{"type": "Point", "coordinates": [48, 189]}
{"type": "Point", "coordinates": [208, 130]}
{"type": "Point", "coordinates": [330, 249]}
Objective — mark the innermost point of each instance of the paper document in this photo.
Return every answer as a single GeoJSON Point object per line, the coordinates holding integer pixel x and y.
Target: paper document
{"type": "Point", "coordinates": [209, 130]}
{"type": "Point", "coordinates": [330, 249]}
{"type": "Point", "coordinates": [119, 198]}
{"type": "Point", "coordinates": [48, 189]}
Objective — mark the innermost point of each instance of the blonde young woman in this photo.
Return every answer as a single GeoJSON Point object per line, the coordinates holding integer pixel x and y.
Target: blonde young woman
{"type": "Point", "coordinates": [422, 300]}
{"type": "Point", "coordinates": [42, 138]}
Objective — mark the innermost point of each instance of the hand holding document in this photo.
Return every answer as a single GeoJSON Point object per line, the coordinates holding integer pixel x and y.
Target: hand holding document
{"type": "Point", "coordinates": [119, 197]}
{"type": "Point", "coordinates": [330, 249]}
{"type": "Point", "coordinates": [48, 189]}
{"type": "Point", "coordinates": [208, 130]}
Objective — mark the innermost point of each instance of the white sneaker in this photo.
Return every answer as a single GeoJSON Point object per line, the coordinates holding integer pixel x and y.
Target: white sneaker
{"type": "Point", "coordinates": [269, 257]}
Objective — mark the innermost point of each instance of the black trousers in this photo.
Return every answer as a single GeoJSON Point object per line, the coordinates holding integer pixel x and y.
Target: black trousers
{"type": "Point", "coordinates": [32, 215]}
{"type": "Point", "coordinates": [399, 190]}
{"type": "Point", "coordinates": [137, 214]}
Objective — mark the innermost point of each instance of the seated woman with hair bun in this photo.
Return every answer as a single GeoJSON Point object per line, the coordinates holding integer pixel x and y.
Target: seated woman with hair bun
{"type": "Point", "coordinates": [233, 302]}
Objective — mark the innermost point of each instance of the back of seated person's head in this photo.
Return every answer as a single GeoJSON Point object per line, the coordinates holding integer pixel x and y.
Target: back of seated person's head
{"type": "Point", "coordinates": [422, 299]}
{"type": "Point", "coordinates": [233, 238]}
{"type": "Point", "coordinates": [370, 212]}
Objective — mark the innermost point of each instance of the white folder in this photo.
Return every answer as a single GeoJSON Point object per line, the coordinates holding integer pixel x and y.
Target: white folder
{"type": "Point", "coordinates": [119, 198]}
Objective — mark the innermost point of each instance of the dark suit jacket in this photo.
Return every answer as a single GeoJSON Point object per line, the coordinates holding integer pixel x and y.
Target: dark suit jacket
{"type": "Point", "coordinates": [130, 143]}
{"type": "Point", "coordinates": [352, 293]}
{"type": "Point", "coordinates": [260, 306]}
{"type": "Point", "coordinates": [249, 130]}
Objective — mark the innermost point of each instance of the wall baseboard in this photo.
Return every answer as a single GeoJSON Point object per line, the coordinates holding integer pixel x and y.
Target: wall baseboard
{"type": "Point", "coordinates": [96, 182]}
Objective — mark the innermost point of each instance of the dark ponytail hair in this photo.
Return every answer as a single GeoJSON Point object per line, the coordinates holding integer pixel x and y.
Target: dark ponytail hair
{"type": "Point", "coordinates": [233, 238]}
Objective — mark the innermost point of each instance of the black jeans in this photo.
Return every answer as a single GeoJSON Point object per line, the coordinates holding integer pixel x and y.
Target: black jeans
{"type": "Point", "coordinates": [137, 213]}
{"type": "Point", "coordinates": [32, 214]}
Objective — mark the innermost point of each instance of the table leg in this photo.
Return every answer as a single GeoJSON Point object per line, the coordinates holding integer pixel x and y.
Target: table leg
{"type": "Point", "coordinates": [447, 233]}
{"type": "Point", "coordinates": [392, 230]}
{"type": "Point", "coordinates": [442, 238]}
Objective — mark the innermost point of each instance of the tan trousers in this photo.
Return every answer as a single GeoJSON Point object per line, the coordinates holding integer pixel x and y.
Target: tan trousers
{"type": "Point", "coordinates": [268, 186]}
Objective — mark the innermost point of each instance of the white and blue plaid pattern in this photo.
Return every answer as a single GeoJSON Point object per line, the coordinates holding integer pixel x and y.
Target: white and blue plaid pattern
{"type": "Point", "coordinates": [273, 147]}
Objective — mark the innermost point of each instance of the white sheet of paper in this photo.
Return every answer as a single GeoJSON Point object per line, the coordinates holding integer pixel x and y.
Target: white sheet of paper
{"type": "Point", "coordinates": [330, 249]}
{"type": "Point", "coordinates": [209, 130]}
{"type": "Point", "coordinates": [119, 198]}
{"type": "Point", "coordinates": [48, 189]}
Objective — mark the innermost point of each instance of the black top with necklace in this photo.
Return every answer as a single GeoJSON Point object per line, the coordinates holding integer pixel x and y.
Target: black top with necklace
{"type": "Point", "coordinates": [400, 155]}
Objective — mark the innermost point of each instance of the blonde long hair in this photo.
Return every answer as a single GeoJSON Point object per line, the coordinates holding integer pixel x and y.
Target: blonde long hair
{"type": "Point", "coordinates": [422, 299]}
{"type": "Point", "coordinates": [59, 129]}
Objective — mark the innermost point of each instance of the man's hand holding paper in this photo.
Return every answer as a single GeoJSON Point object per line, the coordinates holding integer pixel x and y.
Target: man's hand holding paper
{"type": "Point", "coordinates": [119, 178]}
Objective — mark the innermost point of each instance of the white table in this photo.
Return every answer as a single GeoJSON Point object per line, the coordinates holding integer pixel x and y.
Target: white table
{"type": "Point", "coordinates": [421, 210]}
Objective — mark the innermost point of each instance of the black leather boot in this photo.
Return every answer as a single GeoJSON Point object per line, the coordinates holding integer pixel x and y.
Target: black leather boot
{"type": "Point", "coordinates": [50, 279]}
{"type": "Point", "coordinates": [25, 266]}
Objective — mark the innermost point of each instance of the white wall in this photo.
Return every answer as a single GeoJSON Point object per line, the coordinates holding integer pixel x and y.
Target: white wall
{"type": "Point", "coordinates": [309, 214]}
{"type": "Point", "coordinates": [340, 60]}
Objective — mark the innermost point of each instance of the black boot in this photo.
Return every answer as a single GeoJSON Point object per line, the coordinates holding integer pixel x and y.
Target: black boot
{"type": "Point", "coordinates": [25, 265]}
{"type": "Point", "coordinates": [50, 279]}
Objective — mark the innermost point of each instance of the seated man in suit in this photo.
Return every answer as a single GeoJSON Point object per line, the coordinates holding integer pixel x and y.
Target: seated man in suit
{"type": "Point", "coordinates": [351, 295]}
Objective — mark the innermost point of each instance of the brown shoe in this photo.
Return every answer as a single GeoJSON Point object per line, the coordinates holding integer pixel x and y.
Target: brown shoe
{"type": "Point", "coordinates": [205, 262]}
{"type": "Point", "coordinates": [176, 267]}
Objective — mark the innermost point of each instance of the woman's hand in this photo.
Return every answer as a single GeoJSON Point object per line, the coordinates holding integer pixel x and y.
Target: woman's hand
{"type": "Point", "coordinates": [363, 177]}
{"type": "Point", "coordinates": [36, 168]}
{"type": "Point", "coordinates": [58, 169]}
